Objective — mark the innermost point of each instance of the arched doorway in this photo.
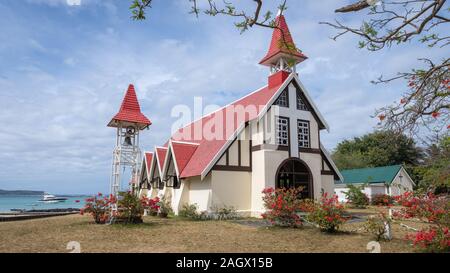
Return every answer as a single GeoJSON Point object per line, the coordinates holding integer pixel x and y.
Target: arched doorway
{"type": "Point", "coordinates": [293, 172]}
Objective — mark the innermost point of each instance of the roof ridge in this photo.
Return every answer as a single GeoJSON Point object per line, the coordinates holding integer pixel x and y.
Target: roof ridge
{"type": "Point", "coordinates": [184, 142]}
{"type": "Point", "coordinates": [223, 107]}
{"type": "Point", "coordinates": [378, 167]}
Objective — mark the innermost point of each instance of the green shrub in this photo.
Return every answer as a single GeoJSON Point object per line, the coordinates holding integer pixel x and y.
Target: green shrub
{"type": "Point", "coordinates": [130, 209]}
{"type": "Point", "coordinates": [189, 211]}
{"type": "Point", "coordinates": [376, 225]}
{"type": "Point", "coordinates": [165, 208]}
{"type": "Point", "coordinates": [224, 212]}
{"type": "Point", "coordinates": [356, 197]}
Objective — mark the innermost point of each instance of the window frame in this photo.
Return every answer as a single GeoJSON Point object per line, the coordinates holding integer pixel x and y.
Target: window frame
{"type": "Point", "coordinates": [288, 131]}
{"type": "Point", "coordinates": [300, 96]}
{"type": "Point", "coordinates": [277, 101]}
{"type": "Point", "coordinates": [298, 134]}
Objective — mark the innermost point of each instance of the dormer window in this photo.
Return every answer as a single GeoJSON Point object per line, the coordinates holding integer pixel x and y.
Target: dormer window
{"type": "Point", "coordinates": [301, 105]}
{"type": "Point", "coordinates": [283, 99]}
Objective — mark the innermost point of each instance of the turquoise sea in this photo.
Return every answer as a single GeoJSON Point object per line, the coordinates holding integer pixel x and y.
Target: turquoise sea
{"type": "Point", "coordinates": [28, 202]}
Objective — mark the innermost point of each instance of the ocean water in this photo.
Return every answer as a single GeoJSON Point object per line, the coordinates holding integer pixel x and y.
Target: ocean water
{"type": "Point", "coordinates": [29, 202]}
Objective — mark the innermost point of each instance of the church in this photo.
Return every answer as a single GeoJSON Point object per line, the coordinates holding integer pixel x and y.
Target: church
{"type": "Point", "coordinates": [268, 138]}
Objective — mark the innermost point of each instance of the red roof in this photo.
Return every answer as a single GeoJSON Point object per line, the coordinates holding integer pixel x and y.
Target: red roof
{"type": "Point", "coordinates": [278, 43]}
{"type": "Point", "coordinates": [161, 156]}
{"type": "Point", "coordinates": [148, 160]}
{"type": "Point", "coordinates": [207, 149]}
{"type": "Point", "coordinates": [183, 152]}
{"type": "Point", "coordinates": [130, 111]}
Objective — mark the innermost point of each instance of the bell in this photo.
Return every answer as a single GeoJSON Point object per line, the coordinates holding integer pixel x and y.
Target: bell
{"type": "Point", "coordinates": [127, 141]}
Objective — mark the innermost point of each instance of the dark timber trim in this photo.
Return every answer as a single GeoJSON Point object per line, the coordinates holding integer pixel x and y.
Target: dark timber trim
{"type": "Point", "coordinates": [239, 152]}
{"type": "Point", "coordinates": [232, 168]}
{"type": "Point", "coordinates": [321, 125]}
{"type": "Point", "coordinates": [329, 166]}
{"type": "Point", "coordinates": [327, 172]}
{"type": "Point", "coordinates": [239, 167]}
{"type": "Point", "coordinates": [309, 150]}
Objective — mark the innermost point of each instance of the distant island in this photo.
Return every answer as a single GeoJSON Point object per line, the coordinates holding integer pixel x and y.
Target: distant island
{"type": "Point", "coordinates": [21, 192]}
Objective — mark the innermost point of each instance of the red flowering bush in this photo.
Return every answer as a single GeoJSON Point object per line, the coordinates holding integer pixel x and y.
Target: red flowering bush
{"type": "Point", "coordinates": [151, 205]}
{"type": "Point", "coordinates": [129, 208]}
{"type": "Point", "coordinates": [382, 200]}
{"type": "Point", "coordinates": [433, 239]}
{"type": "Point", "coordinates": [99, 207]}
{"type": "Point", "coordinates": [282, 206]}
{"type": "Point", "coordinates": [328, 214]}
{"type": "Point", "coordinates": [433, 209]}
{"type": "Point", "coordinates": [427, 207]}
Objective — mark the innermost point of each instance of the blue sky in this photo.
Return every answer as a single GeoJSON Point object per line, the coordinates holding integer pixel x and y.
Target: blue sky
{"type": "Point", "coordinates": [64, 70]}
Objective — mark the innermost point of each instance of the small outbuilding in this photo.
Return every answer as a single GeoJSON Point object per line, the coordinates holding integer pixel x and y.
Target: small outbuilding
{"type": "Point", "coordinates": [391, 180]}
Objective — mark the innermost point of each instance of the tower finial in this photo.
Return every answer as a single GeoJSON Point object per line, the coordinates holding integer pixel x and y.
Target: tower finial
{"type": "Point", "coordinates": [280, 11]}
{"type": "Point", "coordinates": [282, 53]}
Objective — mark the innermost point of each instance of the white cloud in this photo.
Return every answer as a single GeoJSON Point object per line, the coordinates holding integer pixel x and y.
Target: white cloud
{"type": "Point", "coordinates": [61, 96]}
{"type": "Point", "coordinates": [73, 2]}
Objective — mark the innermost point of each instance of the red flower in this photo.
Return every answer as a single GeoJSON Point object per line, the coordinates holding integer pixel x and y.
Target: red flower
{"type": "Point", "coordinates": [382, 117]}
{"type": "Point", "coordinates": [435, 114]}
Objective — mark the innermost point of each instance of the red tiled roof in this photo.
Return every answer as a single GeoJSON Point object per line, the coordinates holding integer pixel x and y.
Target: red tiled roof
{"type": "Point", "coordinates": [130, 110]}
{"type": "Point", "coordinates": [183, 152]}
{"type": "Point", "coordinates": [278, 43]}
{"type": "Point", "coordinates": [148, 160]}
{"type": "Point", "coordinates": [161, 155]}
{"type": "Point", "coordinates": [207, 149]}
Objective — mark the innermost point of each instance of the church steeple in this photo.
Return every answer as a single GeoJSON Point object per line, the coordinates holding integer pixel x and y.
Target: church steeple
{"type": "Point", "coordinates": [283, 55]}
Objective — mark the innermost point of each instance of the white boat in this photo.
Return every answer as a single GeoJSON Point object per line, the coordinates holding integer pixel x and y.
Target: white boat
{"type": "Point", "coordinates": [51, 198]}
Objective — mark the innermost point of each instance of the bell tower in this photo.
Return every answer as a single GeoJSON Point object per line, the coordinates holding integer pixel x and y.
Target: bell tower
{"type": "Point", "coordinates": [283, 55]}
{"type": "Point", "coordinates": [129, 121]}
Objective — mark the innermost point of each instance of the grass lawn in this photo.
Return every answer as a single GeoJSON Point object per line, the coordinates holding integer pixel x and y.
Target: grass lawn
{"type": "Point", "coordinates": [179, 235]}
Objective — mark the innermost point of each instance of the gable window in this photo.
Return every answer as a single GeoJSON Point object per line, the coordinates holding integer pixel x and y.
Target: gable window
{"type": "Point", "coordinates": [303, 134]}
{"type": "Point", "coordinates": [301, 105]}
{"type": "Point", "coordinates": [173, 181]}
{"type": "Point", "coordinates": [283, 99]}
{"type": "Point", "coordinates": [282, 133]}
{"type": "Point", "coordinates": [157, 183]}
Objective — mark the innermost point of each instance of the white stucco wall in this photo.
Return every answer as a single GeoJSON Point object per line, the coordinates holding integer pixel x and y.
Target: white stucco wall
{"type": "Point", "coordinates": [200, 192]}
{"type": "Point", "coordinates": [369, 190]}
{"type": "Point", "coordinates": [327, 184]}
{"type": "Point", "coordinates": [314, 162]}
{"type": "Point", "coordinates": [264, 167]}
{"type": "Point", "coordinates": [401, 183]}
{"type": "Point", "coordinates": [230, 188]}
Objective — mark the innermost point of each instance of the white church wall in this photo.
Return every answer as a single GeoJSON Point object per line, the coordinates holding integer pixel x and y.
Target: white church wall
{"type": "Point", "coordinates": [328, 184]}
{"type": "Point", "coordinates": [200, 192]}
{"type": "Point", "coordinates": [314, 162]}
{"type": "Point", "coordinates": [265, 164]}
{"type": "Point", "coordinates": [231, 188]}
